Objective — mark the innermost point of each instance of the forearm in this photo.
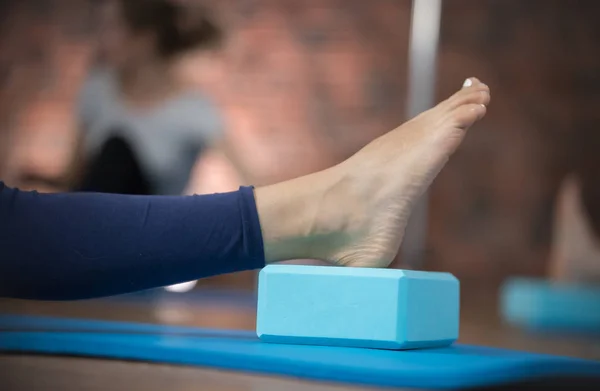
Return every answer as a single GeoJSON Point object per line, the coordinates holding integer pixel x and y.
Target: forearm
{"type": "Point", "coordinates": [73, 173]}
{"type": "Point", "coordinates": [83, 245]}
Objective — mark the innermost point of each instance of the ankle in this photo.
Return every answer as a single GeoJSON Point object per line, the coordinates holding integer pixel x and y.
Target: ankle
{"type": "Point", "coordinates": [303, 218]}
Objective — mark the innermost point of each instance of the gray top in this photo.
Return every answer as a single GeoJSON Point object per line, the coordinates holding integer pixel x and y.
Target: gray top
{"type": "Point", "coordinates": [167, 140]}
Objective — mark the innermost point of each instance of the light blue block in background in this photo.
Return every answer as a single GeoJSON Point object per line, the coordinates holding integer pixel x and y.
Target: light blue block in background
{"type": "Point", "coordinates": [543, 305]}
{"type": "Point", "coordinates": [357, 307]}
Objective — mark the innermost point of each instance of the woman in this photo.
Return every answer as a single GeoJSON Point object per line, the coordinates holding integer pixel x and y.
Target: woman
{"type": "Point", "coordinates": [142, 128]}
{"type": "Point", "coordinates": [81, 245]}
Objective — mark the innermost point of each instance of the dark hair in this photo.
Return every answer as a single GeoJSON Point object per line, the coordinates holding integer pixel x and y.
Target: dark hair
{"type": "Point", "coordinates": [177, 28]}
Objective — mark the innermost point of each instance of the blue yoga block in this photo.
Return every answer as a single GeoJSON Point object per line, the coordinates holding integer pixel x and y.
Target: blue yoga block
{"type": "Point", "coordinates": [543, 305]}
{"type": "Point", "coordinates": [357, 307]}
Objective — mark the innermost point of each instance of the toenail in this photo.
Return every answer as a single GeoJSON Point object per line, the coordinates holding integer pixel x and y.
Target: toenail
{"type": "Point", "coordinates": [467, 83]}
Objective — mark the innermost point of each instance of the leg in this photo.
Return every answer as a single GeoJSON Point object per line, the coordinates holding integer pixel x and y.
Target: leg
{"type": "Point", "coordinates": [116, 170]}
{"type": "Point", "coordinates": [68, 246]}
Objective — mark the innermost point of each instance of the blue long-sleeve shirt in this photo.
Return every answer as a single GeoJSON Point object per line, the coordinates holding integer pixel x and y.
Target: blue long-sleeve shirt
{"type": "Point", "coordinates": [83, 245]}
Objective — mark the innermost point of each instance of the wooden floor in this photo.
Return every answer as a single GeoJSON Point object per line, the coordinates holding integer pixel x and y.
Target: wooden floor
{"type": "Point", "coordinates": [60, 373]}
{"type": "Point", "coordinates": [480, 324]}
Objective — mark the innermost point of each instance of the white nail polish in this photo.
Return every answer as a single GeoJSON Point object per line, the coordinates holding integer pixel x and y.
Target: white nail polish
{"type": "Point", "coordinates": [467, 83]}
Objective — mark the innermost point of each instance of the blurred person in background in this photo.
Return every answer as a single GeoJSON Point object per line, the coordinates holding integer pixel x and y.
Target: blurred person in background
{"type": "Point", "coordinates": [142, 128]}
{"type": "Point", "coordinates": [575, 249]}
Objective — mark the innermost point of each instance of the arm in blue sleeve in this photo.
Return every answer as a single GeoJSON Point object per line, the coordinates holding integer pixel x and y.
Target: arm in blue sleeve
{"type": "Point", "coordinates": [85, 245]}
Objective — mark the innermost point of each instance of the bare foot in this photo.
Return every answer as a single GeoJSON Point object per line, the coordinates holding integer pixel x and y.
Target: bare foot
{"type": "Point", "coordinates": [575, 255]}
{"type": "Point", "coordinates": [355, 213]}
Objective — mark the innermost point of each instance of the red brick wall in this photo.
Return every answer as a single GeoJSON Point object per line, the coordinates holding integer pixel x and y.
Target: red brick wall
{"type": "Point", "coordinates": [311, 81]}
{"type": "Point", "coordinates": [492, 205]}
{"type": "Point", "coordinates": [306, 83]}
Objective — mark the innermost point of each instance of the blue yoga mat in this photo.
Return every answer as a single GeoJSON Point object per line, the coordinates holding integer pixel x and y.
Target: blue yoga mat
{"type": "Point", "coordinates": [455, 367]}
{"type": "Point", "coordinates": [537, 304]}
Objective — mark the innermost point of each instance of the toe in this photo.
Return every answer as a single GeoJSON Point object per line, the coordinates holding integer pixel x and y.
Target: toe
{"type": "Point", "coordinates": [466, 115]}
{"type": "Point", "coordinates": [475, 93]}
{"type": "Point", "coordinates": [471, 81]}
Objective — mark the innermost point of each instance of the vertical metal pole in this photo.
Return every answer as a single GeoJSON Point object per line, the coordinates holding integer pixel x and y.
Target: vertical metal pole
{"type": "Point", "coordinates": [422, 57]}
